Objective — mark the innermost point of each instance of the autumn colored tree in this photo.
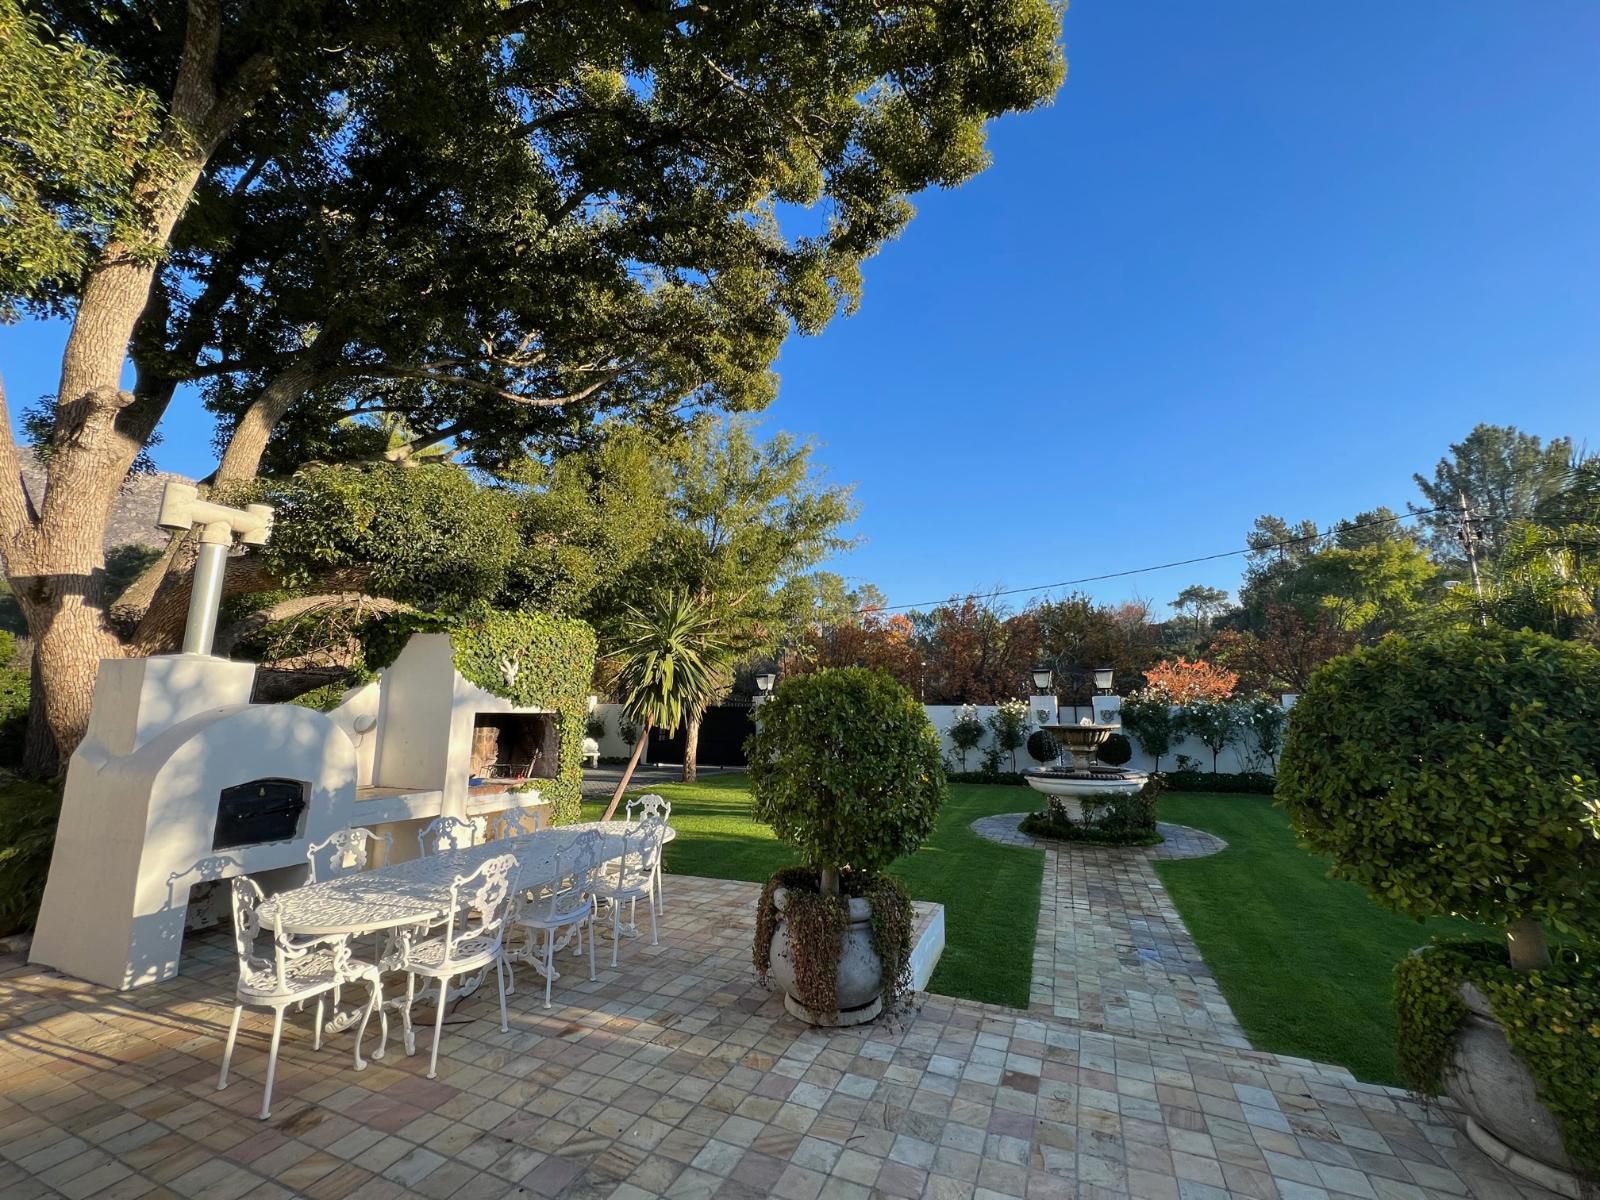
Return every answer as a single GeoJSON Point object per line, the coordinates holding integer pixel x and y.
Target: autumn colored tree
{"type": "Point", "coordinates": [883, 641]}
{"type": "Point", "coordinates": [1076, 636]}
{"type": "Point", "coordinates": [1282, 656]}
{"type": "Point", "coordinates": [1185, 682]}
{"type": "Point", "coordinates": [976, 652]}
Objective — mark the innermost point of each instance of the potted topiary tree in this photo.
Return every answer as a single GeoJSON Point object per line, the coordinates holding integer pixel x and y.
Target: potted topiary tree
{"type": "Point", "coordinates": [845, 767]}
{"type": "Point", "coordinates": [1460, 774]}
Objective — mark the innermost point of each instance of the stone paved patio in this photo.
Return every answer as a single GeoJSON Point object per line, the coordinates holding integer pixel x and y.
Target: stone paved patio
{"type": "Point", "coordinates": [678, 1075]}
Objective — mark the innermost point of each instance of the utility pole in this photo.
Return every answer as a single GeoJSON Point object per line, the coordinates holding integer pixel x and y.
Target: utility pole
{"type": "Point", "coordinates": [1469, 542]}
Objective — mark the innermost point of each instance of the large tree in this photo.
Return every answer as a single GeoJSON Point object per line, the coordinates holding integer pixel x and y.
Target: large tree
{"type": "Point", "coordinates": [1499, 474]}
{"type": "Point", "coordinates": [485, 223]}
{"type": "Point", "coordinates": [745, 517]}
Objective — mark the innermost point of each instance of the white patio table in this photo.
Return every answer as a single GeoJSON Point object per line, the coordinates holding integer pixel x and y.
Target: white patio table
{"type": "Point", "coordinates": [416, 893]}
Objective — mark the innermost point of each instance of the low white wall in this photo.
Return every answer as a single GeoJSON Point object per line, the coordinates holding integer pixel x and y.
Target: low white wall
{"type": "Point", "coordinates": [612, 745]}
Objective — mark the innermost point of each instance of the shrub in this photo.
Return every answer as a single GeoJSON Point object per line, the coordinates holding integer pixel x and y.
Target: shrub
{"type": "Point", "coordinates": [1043, 747]}
{"type": "Point", "coordinates": [1456, 774]}
{"type": "Point", "coordinates": [845, 767]}
{"type": "Point", "coordinates": [1115, 751]}
{"type": "Point", "coordinates": [1216, 723]}
{"type": "Point", "coordinates": [1264, 719]}
{"type": "Point", "coordinates": [1015, 778]}
{"type": "Point", "coordinates": [1254, 782]}
{"type": "Point", "coordinates": [1009, 724]}
{"type": "Point", "coordinates": [1149, 717]}
{"type": "Point", "coordinates": [966, 732]}
{"type": "Point", "coordinates": [1183, 681]}
{"type": "Point", "coordinates": [595, 726]}
{"type": "Point", "coordinates": [28, 816]}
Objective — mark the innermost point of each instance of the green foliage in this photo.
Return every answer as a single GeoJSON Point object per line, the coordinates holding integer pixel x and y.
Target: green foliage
{"type": "Point", "coordinates": [1503, 474]}
{"type": "Point", "coordinates": [1014, 778]}
{"type": "Point", "coordinates": [75, 134]}
{"type": "Point", "coordinates": [1043, 747]}
{"type": "Point", "coordinates": [1456, 774]}
{"type": "Point", "coordinates": [845, 768]}
{"type": "Point", "coordinates": [1550, 1017]}
{"type": "Point", "coordinates": [1264, 720]}
{"type": "Point", "coordinates": [28, 816]}
{"type": "Point", "coordinates": [673, 661]}
{"type": "Point", "coordinates": [595, 726]}
{"type": "Point", "coordinates": [1245, 782]}
{"type": "Point", "coordinates": [1115, 751]}
{"type": "Point", "coordinates": [429, 536]}
{"type": "Point", "coordinates": [1009, 724]}
{"type": "Point", "coordinates": [1148, 715]}
{"type": "Point", "coordinates": [1119, 821]}
{"type": "Point", "coordinates": [553, 659]}
{"type": "Point", "coordinates": [1215, 723]}
{"type": "Point", "coordinates": [15, 681]}
{"type": "Point", "coordinates": [965, 732]}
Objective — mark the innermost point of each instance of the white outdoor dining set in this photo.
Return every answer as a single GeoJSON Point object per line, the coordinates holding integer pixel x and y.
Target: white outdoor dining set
{"type": "Point", "coordinates": [463, 907]}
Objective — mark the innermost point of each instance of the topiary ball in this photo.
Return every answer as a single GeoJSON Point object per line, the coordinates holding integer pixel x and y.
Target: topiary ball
{"type": "Point", "coordinates": [846, 768]}
{"type": "Point", "coordinates": [1115, 751]}
{"type": "Point", "coordinates": [1043, 747]}
{"type": "Point", "coordinates": [1454, 774]}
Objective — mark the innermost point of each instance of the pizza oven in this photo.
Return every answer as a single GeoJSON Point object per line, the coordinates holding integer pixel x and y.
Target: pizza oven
{"type": "Point", "coordinates": [261, 811]}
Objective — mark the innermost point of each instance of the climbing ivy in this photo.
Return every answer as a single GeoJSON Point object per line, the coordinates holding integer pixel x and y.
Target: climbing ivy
{"type": "Point", "coordinates": [534, 660]}
{"type": "Point", "coordinates": [1551, 1017]}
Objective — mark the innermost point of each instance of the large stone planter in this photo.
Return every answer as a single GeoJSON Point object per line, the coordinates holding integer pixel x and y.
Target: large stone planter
{"type": "Point", "coordinates": [860, 988]}
{"type": "Point", "coordinates": [1505, 1118]}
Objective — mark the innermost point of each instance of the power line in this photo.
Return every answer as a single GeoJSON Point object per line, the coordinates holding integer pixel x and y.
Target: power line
{"type": "Point", "coordinates": [1265, 547]}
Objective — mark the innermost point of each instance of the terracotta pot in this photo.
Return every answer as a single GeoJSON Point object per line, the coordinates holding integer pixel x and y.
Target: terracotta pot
{"type": "Point", "coordinates": [1505, 1118]}
{"type": "Point", "coordinates": [860, 987]}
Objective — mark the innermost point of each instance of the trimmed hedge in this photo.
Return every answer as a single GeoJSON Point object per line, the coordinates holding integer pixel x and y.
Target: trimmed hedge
{"type": "Point", "coordinates": [1009, 777]}
{"type": "Point", "coordinates": [1250, 782]}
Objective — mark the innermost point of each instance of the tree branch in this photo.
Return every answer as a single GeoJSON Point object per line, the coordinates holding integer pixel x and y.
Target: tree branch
{"type": "Point", "coordinates": [17, 522]}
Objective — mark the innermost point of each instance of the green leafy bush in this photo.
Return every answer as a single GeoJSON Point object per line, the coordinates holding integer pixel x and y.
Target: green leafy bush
{"type": "Point", "coordinates": [28, 815]}
{"type": "Point", "coordinates": [1115, 751]}
{"type": "Point", "coordinates": [1013, 778]}
{"type": "Point", "coordinates": [1249, 782]}
{"type": "Point", "coordinates": [1456, 774]}
{"type": "Point", "coordinates": [1009, 724]}
{"type": "Point", "coordinates": [1043, 747]}
{"type": "Point", "coordinates": [1148, 716]}
{"type": "Point", "coordinates": [966, 731]}
{"type": "Point", "coordinates": [1551, 1018]}
{"type": "Point", "coordinates": [1217, 724]}
{"type": "Point", "coordinates": [845, 768]}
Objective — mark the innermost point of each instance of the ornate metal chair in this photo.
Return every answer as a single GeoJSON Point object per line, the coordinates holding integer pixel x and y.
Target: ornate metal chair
{"type": "Point", "coordinates": [447, 833]}
{"type": "Point", "coordinates": [652, 805]}
{"type": "Point", "coordinates": [299, 970]}
{"type": "Point", "coordinates": [352, 851]}
{"type": "Point", "coordinates": [631, 877]}
{"type": "Point", "coordinates": [517, 822]}
{"type": "Point", "coordinates": [559, 913]}
{"type": "Point", "coordinates": [480, 906]}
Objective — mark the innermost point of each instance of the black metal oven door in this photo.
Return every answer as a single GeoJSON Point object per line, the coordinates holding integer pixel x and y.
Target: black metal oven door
{"type": "Point", "coordinates": [263, 810]}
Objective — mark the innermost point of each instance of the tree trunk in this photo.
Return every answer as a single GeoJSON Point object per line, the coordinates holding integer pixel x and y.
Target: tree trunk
{"type": "Point", "coordinates": [627, 773]}
{"type": "Point", "coordinates": [691, 748]}
{"type": "Point", "coordinates": [1527, 945]}
{"type": "Point", "coordinates": [39, 758]}
{"type": "Point", "coordinates": [828, 884]}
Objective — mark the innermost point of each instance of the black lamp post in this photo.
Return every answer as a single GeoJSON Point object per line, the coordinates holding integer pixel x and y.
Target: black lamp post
{"type": "Point", "coordinates": [1102, 680]}
{"type": "Point", "coordinates": [1042, 680]}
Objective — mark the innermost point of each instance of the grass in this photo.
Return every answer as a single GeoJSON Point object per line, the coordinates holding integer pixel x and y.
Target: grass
{"type": "Point", "coordinates": [990, 892]}
{"type": "Point", "coordinates": [1305, 961]}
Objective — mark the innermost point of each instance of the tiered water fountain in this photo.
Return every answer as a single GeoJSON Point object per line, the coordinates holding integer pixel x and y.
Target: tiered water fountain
{"type": "Point", "coordinates": [1081, 788]}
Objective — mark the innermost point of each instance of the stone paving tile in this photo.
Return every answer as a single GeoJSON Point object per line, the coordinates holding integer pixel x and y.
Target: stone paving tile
{"type": "Point", "coordinates": [678, 1075]}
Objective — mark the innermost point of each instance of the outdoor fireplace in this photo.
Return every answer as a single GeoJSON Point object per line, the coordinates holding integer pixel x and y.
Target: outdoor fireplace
{"type": "Point", "coordinates": [508, 746]}
{"type": "Point", "coordinates": [263, 810]}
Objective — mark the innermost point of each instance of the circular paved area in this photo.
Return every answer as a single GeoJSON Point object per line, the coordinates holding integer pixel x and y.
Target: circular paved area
{"type": "Point", "coordinates": [1182, 841]}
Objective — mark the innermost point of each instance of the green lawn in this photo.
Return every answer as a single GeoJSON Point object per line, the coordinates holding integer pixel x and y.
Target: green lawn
{"type": "Point", "coordinates": [1305, 961]}
{"type": "Point", "coordinates": [990, 892]}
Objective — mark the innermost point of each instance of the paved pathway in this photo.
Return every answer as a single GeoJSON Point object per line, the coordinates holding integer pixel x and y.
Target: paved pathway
{"type": "Point", "coordinates": [678, 1075]}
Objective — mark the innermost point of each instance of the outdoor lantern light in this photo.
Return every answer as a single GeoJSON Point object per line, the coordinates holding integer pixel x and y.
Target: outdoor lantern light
{"type": "Point", "coordinates": [765, 680]}
{"type": "Point", "coordinates": [1042, 678]}
{"type": "Point", "coordinates": [1102, 678]}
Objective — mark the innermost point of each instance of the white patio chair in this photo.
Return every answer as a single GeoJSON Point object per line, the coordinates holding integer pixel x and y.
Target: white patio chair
{"type": "Point", "coordinates": [631, 877]}
{"type": "Point", "coordinates": [652, 805]}
{"type": "Point", "coordinates": [480, 905]}
{"type": "Point", "coordinates": [299, 970]}
{"type": "Point", "coordinates": [516, 822]}
{"type": "Point", "coordinates": [352, 851]}
{"type": "Point", "coordinates": [446, 833]}
{"type": "Point", "coordinates": [559, 913]}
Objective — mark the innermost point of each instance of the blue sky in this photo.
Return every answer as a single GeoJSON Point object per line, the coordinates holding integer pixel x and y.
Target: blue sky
{"type": "Point", "coordinates": [1257, 257]}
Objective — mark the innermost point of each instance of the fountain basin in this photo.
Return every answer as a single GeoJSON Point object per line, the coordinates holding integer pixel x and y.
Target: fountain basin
{"type": "Point", "coordinates": [1068, 790]}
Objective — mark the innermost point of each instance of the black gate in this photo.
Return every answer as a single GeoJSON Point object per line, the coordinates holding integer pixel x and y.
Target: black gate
{"type": "Point", "coordinates": [722, 735]}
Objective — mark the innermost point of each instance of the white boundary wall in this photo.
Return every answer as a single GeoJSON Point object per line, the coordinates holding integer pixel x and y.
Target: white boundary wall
{"type": "Point", "coordinates": [1234, 758]}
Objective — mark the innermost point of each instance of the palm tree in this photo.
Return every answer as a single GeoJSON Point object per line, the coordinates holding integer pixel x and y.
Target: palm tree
{"type": "Point", "coordinates": [674, 660]}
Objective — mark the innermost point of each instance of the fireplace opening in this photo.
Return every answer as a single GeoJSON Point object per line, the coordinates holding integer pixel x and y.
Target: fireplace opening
{"type": "Point", "coordinates": [509, 746]}
{"type": "Point", "coordinates": [263, 810]}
